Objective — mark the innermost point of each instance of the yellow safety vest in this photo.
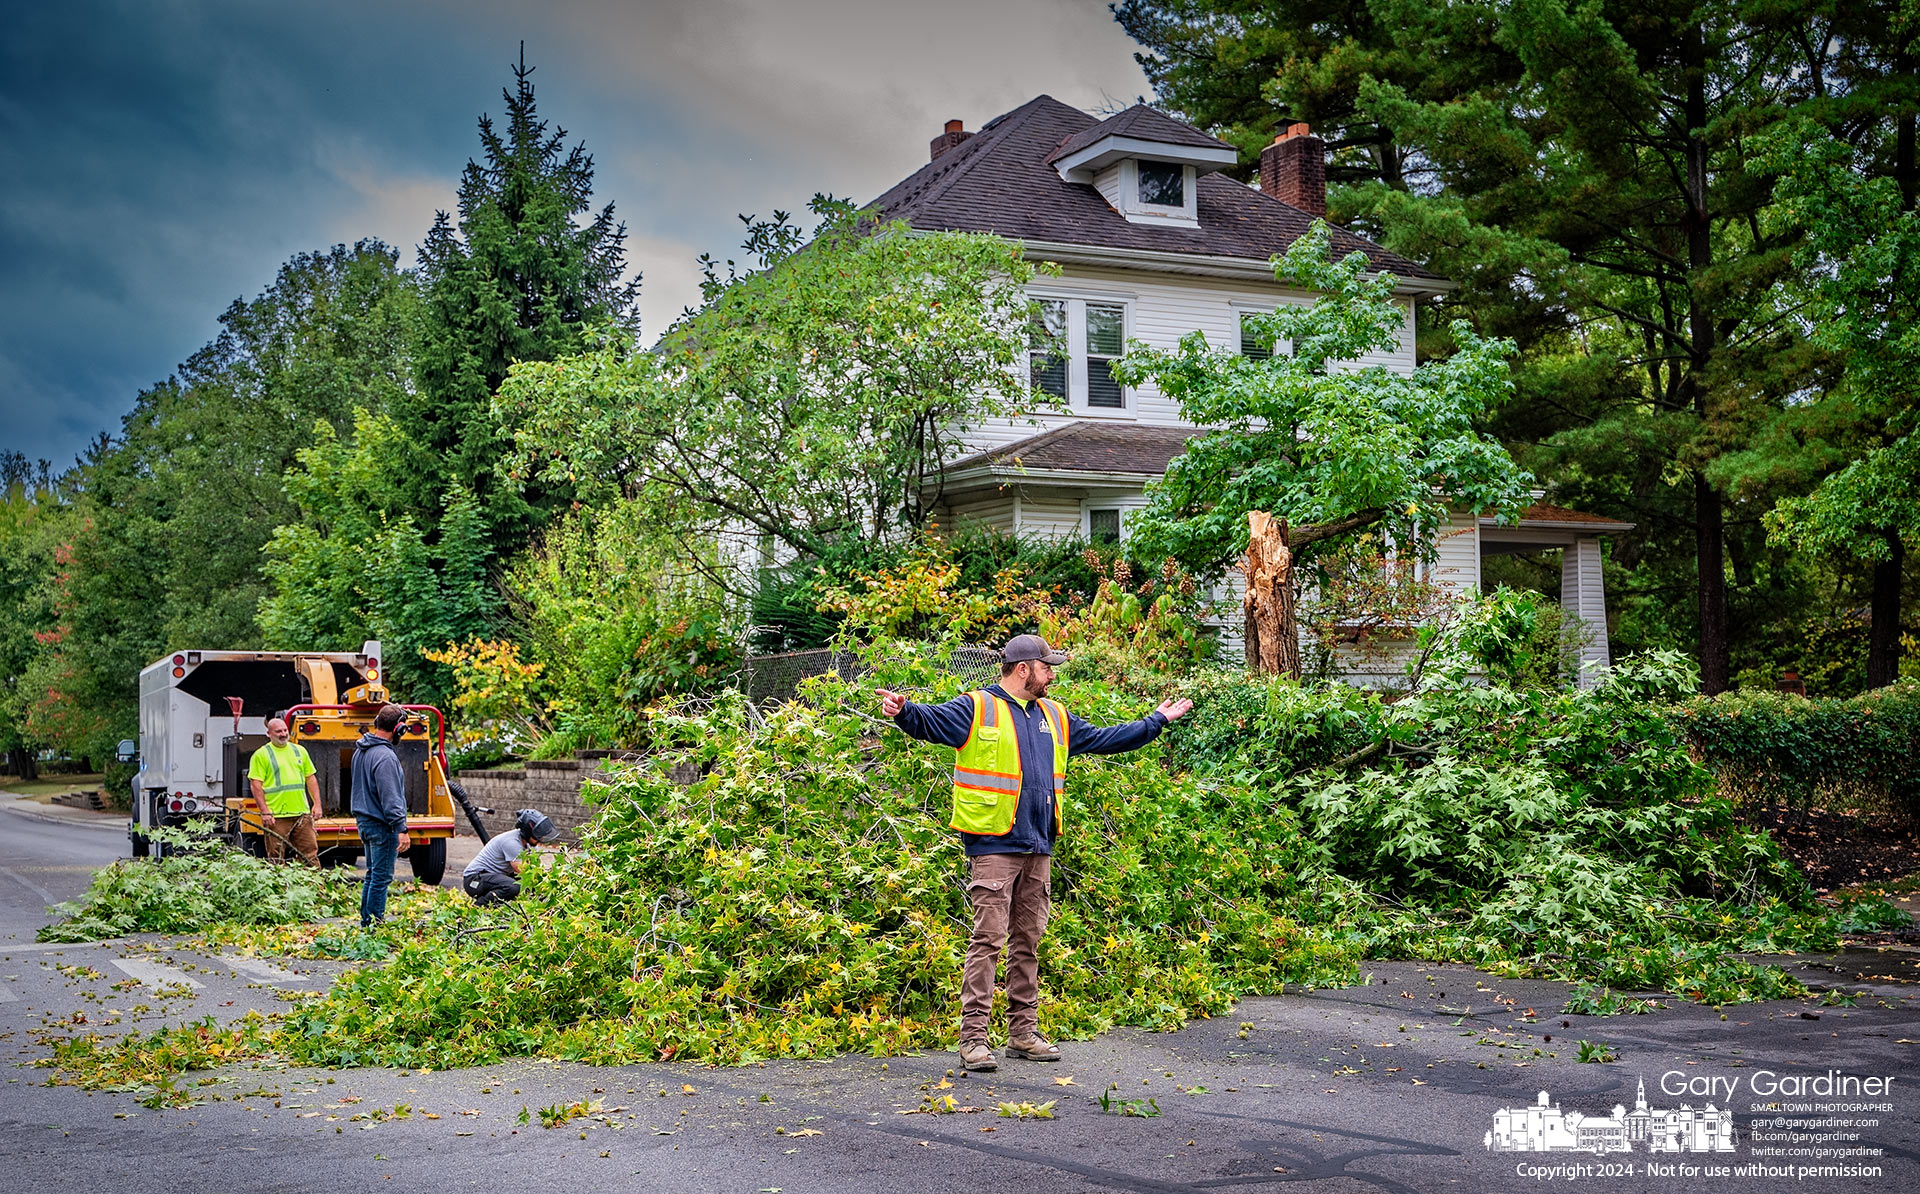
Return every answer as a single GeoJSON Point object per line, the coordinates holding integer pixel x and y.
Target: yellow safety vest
{"type": "Point", "coordinates": [281, 783]}
{"type": "Point", "coordinates": [986, 768]}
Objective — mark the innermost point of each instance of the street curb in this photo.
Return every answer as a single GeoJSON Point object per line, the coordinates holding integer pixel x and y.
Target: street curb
{"type": "Point", "coordinates": [77, 817]}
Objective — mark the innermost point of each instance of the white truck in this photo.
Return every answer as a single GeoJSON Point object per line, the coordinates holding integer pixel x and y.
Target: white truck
{"type": "Point", "coordinates": [204, 713]}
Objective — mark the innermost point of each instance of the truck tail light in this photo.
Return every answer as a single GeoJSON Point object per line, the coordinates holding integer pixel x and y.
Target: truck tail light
{"type": "Point", "coordinates": [178, 804]}
{"type": "Point", "coordinates": [179, 672]}
{"type": "Point", "coordinates": [178, 660]}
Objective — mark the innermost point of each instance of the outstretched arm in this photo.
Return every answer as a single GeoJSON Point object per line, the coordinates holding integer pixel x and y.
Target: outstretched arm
{"type": "Point", "coordinates": [1085, 738]}
{"type": "Point", "coordinates": [947, 724]}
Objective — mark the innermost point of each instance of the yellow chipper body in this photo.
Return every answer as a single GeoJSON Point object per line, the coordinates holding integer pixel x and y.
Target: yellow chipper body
{"type": "Point", "coordinates": [204, 713]}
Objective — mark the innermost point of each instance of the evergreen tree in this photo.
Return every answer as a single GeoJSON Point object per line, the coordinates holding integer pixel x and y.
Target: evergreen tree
{"type": "Point", "coordinates": [516, 278]}
{"type": "Point", "coordinates": [1587, 173]}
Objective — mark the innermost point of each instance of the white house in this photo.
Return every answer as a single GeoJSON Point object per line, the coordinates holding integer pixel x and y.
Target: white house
{"type": "Point", "coordinates": [1153, 242]}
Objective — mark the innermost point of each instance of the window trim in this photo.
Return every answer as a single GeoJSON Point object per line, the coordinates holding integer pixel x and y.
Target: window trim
{"type": "Point", "coordinates": [1078, 357]}
{"type": "Point", "coordinates": [1127, 504]}
{"type": "Point", "coordinates": [1138, 211]}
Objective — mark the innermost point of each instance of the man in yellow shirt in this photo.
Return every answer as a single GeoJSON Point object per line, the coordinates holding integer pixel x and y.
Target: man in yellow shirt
{"type": "Point", "coordinates": [288, 793]}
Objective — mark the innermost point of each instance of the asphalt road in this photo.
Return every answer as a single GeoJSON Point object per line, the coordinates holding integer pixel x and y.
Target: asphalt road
{"type": "Point", "coordinates": [1392, 1085]}
{"type": "Point", "coordinates": [46, 857]}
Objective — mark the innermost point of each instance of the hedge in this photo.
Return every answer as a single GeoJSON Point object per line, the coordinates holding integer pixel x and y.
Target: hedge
{"type": "Point", "coordinates": [1776, 748]}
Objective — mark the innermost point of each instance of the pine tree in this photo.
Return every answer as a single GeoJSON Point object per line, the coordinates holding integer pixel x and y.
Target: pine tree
{"type": "Point", "coordinates": [516, 278]}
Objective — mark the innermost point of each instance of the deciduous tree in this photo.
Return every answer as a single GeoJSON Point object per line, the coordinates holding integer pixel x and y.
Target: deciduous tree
{"type": "Point", "coordinates": [813, 399]}
{"type": "Point", "coordinates": [1306, 436]}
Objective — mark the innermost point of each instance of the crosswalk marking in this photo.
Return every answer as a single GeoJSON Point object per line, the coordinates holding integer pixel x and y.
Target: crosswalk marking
{"type": "Point", "coordinates": [255, 968]}
{"type": "Point", "coordinates": [154, 974]}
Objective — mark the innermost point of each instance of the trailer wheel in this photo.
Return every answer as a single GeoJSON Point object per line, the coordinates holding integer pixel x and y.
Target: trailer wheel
{"type": "Point", "coordinates": [254, 844]}
{"type": "Point", "coordinates": [334, 856]}
{"type": "Point", "coordinates": [429, 860]}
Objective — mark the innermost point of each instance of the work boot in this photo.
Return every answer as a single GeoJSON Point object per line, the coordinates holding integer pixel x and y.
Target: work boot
{"type": "Point", "coordinates": [977, 1055]}
{"type": "Point", "coordinates": [1033, 1047]}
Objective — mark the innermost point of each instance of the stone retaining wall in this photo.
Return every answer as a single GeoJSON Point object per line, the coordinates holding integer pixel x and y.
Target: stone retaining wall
{"type": "Point", "coordinates": [551, 786]}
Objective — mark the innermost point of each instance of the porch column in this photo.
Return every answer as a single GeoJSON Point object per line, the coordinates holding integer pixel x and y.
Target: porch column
{"type": "Point", "coordinates": [1584, 595]}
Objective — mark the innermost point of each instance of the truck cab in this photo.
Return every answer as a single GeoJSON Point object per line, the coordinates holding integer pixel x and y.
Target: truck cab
{"type": "Point", "coordinates": [203, 714]}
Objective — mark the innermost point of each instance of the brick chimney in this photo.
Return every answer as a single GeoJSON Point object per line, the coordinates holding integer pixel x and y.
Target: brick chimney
{"type": "Point", "coordinates": [1294, 169]}
{"type": "Point", "coordinates": [954, 134]}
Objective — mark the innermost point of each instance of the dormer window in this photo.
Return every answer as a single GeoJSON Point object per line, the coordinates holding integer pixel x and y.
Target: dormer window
{"type": "Point", "coordinates": [1163, 184]}
{"type": "Point", "coordinates": [1144, 165]}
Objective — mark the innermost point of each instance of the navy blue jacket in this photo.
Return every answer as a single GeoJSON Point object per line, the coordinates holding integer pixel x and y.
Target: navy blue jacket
{"type": "Point", "coordinates": [1033, 829]}
{"type": "Point", "coordinates": [379, 785]}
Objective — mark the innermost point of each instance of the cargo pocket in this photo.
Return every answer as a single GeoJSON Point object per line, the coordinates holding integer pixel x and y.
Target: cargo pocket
{"type": "Point", "coordinates": [992, 902]}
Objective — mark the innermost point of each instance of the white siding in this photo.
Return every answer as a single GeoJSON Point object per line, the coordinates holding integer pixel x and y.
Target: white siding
{"type": "Point", "coordinates": [1046, 514]}
{"type": "Point", "coordinates": [1456, 562]}
{"type": "Point", "coordinates": [1161, 309]}
{"type": "Point", "coordinates": [995, 510]}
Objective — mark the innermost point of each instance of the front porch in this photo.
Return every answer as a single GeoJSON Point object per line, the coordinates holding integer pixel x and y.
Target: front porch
{"type": "Point", "coordinates": [1087, 479]}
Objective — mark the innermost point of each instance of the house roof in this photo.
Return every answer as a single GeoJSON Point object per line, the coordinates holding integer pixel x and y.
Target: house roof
{"type": "Point", "coordinates": [1142, 124]}
{"type": "Point", "coordinates": [1085, 447]}
{"type": "Point", "coordinates": [999, 181]}
{"type": "Point", "coordinates": [1543, 516]}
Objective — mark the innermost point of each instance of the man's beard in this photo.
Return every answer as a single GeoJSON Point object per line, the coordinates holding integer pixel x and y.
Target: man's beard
{"type": "Point", "coordinates": [1038, 688]}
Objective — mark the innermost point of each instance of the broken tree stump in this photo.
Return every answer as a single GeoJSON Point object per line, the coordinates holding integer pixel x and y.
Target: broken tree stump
{"type": "Point", "coordinates": [1273, 638]}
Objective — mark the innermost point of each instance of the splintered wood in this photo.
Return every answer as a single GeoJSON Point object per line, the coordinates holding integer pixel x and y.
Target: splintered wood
{"type": "Point", "coordinates": [1273, 641]}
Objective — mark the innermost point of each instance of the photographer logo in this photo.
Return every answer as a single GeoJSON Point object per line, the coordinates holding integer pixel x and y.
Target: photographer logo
{"type": "Point", "coordinates": [1544, 1127]}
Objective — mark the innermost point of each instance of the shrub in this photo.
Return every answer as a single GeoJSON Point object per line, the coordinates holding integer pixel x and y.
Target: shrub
{"type": "Point", "coordinates": [614, 617]}
{"type": "Point", "coordinates": [1775, 747]}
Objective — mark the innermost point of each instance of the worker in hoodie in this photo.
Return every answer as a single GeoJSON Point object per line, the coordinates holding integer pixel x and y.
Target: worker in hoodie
{"type": "Point", "coordinates": [380, 807]}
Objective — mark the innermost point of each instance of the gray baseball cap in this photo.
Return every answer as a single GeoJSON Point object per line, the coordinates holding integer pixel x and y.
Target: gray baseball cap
{"type": "Point", "coordinates": [1023, 647]}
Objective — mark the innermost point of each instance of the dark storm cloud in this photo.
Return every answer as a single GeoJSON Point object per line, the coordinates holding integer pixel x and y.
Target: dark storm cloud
{"type": "Point", "coordinates": [161, 160]}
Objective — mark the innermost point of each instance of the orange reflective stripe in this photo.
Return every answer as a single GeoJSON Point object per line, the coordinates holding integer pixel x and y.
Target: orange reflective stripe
{"type": "Point", "coordinates": [987, 709]}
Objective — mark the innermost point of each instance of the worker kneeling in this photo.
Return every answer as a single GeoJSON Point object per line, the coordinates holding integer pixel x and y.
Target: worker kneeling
{"type": "Point", "coordinates": [493, 877]}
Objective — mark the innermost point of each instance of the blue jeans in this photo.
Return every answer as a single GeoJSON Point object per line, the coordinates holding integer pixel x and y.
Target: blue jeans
{"type": "Point", "coordinates": [382, 844]}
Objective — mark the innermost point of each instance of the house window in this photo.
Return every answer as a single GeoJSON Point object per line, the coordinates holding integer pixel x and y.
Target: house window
{"type": "Point", "coordinates": [1071, 347]}
{"type": "Point", "coordinates": [1163, 184]}
{"type": "Point", "coordinates": [1103, 526]}
{"type": "Point", "coordinates": [1255, 346]}
{"type": "Point", "coordinates": [1105, 344]}
{"type": "Point", "coordinates": [1048, 351]}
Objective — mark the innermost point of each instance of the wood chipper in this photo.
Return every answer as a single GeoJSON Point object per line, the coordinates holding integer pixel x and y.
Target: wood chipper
{"type": "Point", "coordinates": [204, 713]}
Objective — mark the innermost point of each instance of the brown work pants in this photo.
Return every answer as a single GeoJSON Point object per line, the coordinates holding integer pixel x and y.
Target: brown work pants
{"type": "Point", "coordinates": [295, 830]}
{"type": "Point", "coordinates": [1010, 894]}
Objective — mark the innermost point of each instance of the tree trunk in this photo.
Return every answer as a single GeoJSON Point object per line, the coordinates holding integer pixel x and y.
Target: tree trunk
{"type": "Point", "coordinates": [1883, 639]}
{"type": "Point", "coordinates": [1710, 543]}
{"type": "Point", "coordinates": [22, 762]}
{"type": "Point", "coordinates": [1273, 638]}
{"type": "Point", "coordinates": [1710, 530]}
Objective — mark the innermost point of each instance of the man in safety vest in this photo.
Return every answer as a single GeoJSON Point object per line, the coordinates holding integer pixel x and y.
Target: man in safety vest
{"type": "Point", "coordinates": [288, 793]}
{"type": "Point", "coordinates": [1011, 746]}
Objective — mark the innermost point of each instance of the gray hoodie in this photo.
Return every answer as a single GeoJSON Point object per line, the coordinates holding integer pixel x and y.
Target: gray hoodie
{"type": "Point", "coordinates": [379, 785]}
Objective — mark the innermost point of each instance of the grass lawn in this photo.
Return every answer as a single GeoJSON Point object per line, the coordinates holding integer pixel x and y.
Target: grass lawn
{"type": "Point", "coordinates": [46, 788]}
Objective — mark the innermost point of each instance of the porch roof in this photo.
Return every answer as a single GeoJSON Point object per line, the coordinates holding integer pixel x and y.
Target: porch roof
{"type": "Point", "coordinates": [1078, 451]}
{"type": "Point", "coordinates": [1095, 450]}
{"type": "Point", "coordinates": [1540, 516]}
